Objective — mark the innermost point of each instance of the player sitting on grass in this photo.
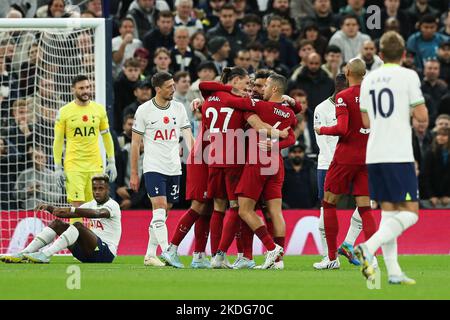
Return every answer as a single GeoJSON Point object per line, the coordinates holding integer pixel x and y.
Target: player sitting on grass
{"type": "Point", "coordinates": [94, 245]}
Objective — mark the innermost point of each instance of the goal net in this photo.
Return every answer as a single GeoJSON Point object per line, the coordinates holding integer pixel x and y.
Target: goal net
{"type": "Point", "coordinates": [38, 59]}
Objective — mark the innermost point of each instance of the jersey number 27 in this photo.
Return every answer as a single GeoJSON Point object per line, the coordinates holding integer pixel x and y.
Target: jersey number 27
{"type": "Point", "coordinates": [215, 115]}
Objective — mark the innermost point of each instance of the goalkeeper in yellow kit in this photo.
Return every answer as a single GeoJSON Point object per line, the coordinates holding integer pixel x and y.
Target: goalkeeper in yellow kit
{"type": "Point", "coordinates": [80, 122]}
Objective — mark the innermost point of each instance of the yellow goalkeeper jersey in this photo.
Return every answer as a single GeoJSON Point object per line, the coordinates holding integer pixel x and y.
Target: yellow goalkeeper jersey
{"type": "Point", "coordinates": [81, 126]}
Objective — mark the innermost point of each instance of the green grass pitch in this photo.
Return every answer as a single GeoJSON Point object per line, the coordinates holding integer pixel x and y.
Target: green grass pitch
{"type": "Point", "coordinates": [127, 278]}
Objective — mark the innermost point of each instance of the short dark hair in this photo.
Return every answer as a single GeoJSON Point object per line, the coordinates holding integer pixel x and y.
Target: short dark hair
{"type": "Point", "coordinates": [180, 74]}
{"type": "Point", "coordinates": [79, 78]}
{"type": "Point", "coordinates": [255, 46]}
{"type": "Point", "coordinates": [263, 74]}
{"type": "Point", "coordinates": [303, 43]}
{"type": "Point", "coordinates": [165, 14]}
{"type": "Point", "coordinates": [349, 16]}
{"type": "Point", "coordinates": [428, 18]}
{"type": "Point", "coordinates": [101, 177]}
{"type": "Point", "coordinates": [125, 19]}
{"type": "Point", "coordinates": [251, 18]}
{"type": "Point", "coordinates": [280, 81]}
{"type": "Point", "coordinates": [271, 45]}
{"type": "Point", "coordinates": [127, 117]}
{"type": "Point", "coordinates": [132, 62]}
{"type": "Point", "coordinates": [274, 18]}
{"type": "Point", "coordinates": [160, 78]}
{"type": "Point", "coordinates": [333, 48]}
{"type": "Point", "coordinates": [229, 74]}
{"type": "Point", "coordinates": [227, 6]}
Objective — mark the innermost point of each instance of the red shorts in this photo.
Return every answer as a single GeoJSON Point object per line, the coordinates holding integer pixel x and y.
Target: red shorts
{"type": "Point", "coordinates": [253, 185]}
{"type": "Point", "coordinates": [197, 182]}
{"type": "Point", "coordinates": [347, 178]}
{"type": "Point", "coordinates": [222, 182]}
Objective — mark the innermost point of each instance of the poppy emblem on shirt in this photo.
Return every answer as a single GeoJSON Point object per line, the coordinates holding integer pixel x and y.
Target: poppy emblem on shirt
{"type": "Point", "coordinates": [85, 118]}
{"type": "Point", "coordinates": [166, 120]}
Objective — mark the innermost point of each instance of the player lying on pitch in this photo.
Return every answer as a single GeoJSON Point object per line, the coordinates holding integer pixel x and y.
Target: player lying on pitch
{"type": "Point", "coordinates": [95, 245]}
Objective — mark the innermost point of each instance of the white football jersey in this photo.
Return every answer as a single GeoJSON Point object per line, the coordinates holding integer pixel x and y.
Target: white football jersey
{"type": "Point", "coordinates": [387, 95]}
{"type": "Point", "coordinates": [325, 116]}
{"type": "Point", "coordinates": [107, 229]}
{"type": "Point", "coordinates": [161, 130]}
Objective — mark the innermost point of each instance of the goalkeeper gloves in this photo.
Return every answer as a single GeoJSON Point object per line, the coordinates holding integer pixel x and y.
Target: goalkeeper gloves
{"type": "Point", "coordinates": [60, 175]}
{"type": "Point", "coordinates": [111, 170]}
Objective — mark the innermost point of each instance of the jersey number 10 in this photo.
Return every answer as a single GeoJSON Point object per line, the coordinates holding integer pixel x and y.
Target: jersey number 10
{"type": "Point", "coordinates": [377, 103]}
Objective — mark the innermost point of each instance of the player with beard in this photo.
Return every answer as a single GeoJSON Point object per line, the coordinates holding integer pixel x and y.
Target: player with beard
{"type": "Point", "coordinates": [81, 122]}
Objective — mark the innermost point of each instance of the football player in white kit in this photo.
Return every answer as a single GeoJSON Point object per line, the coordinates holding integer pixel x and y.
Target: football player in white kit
{"type": "Point", "coordinates": [325, 115]}
{"type": "Point", "coordinates": [159, 122]}
{"type": "Point", "coordinates": [389, 96]}
{"type": "Point", "coordinates": [96, 244]}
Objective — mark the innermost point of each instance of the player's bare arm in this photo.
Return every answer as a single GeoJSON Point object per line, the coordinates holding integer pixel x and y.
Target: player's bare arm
{"type": "Point", "coordinates": [188, 137]}
{"type": "Point", "coordinates": [365, 120]}
{"type": "Point", "coordinates": [259, 125]}
{"type": "Point", "coordinates": [136, 140]}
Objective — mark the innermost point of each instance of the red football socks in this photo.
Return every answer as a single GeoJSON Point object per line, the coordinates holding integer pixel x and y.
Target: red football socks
{"type": "Point", "coordinates": [247, 240]}
{"type": "Point", "coordinates": [216, 230]}
{"type": "Point", "coordinates": [331, 228]}
{"type": "Point", "coordinates": [229, 229]}
{"type": "Point", "coordinates": [265, 238]}
{"type": "Point", "coordinates": [369, 224]}
{"type": "Point", "coordinates": [201, 231]}
{"type": "Point", "coordinates": [184, 225]}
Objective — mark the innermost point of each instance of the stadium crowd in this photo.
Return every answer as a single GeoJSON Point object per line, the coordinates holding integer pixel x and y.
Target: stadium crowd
{"type": "Point", "coordinates": [308, 41]}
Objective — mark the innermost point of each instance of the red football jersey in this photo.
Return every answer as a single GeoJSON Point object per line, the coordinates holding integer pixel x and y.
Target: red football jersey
{"type": "Point", "coordinates": [280, 116]}
{"type": "Point", "coordinates": [352, 144]}
{"type": "Point", "coordinates": [223, 118]}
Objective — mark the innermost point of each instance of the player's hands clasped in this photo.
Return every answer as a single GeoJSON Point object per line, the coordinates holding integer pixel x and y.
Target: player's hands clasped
{"type": "Point", "coordinates": [60, 175]}
{"type": "Point", "coordinates": [111, 170]}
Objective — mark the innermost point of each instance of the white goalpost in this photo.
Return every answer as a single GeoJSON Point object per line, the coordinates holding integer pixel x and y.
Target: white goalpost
{"type": "Point", "coordinates": [38, 60]}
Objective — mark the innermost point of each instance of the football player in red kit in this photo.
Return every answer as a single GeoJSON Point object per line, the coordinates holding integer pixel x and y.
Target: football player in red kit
{"type": "Point", "coordinates": [348, 171]}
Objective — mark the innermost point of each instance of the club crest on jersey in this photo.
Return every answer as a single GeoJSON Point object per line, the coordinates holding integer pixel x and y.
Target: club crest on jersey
{"type": "Point", "coordinates": [340, 103]}
{"type": "Point", "coordinates": [165, 135]}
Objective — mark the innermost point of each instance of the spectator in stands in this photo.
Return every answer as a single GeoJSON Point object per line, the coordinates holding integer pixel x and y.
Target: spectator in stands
{"type": "Point", "coordinates": [333, 61]}
{"type": "Point", "coordinates": [349, 39]}
{"type": "Point", "coordinates": [206, 71]}
{"type": "Point", "coordinates": [8, 84]}
{"type": "Point", "coordinates": [228, 28]}
{"type": "Point", "coordinates": [256, 54]}
{"type": "Point", "coordinates": [311, 32]}
{"type": "Point", "coordinates": [305, 127]}
{"type": "Point", "coordinates": [444, 105]}
{"type": "Point", "coordinates": [182, 56]}
{"type": "Point", "coordinates": [124, 88]}
{"type": "Point", "coordinates": [445, 30]}
{"type": "Point", "coordinates": [442, 121]}
{"type": "Point", "coordinates": [300, 186]}
{"type": "Point", "coordinates": [392, 10]}
{"type": "Point", "coordinates": [305, 48]}
{"type": "Point", "coordinates": [54, 9]}
{"type": "Point", "coordinates": [162, 35]}
{"type": "Point", "coordinates": [425, 43]}
{"type": "Point", "coordinates": [444, 60]}
{"type": "Point", "coordinates": [220, 49]}
{"type": "Point", "coordinates": [369, 56]}
{"type": "Point", "coordinates": [20, 132]}
{"type": "Point", "coordinates": [288, 30]}
{"type": "Point", "coordinates": [143, 93]}
{"type": "Point", "coordinates": [162, 61]}
{"type": "Point", "coordinates": [314, 81]}
{"type": "Point", "coordinates": [125, 137]}
{"type": "Point", "coordinates": [145, 13]}
{"type": "Point", "coordinates": [279, 8]}
{"type": "Point", "coordinates": [436, 172]}
{"type": "Point", "coordinates": [11, 164]}
{"type": "Point", "coordinates": [240, 7]}
{"type": "Point", "coordinates": [356, 8]}
{"type": "Point", "coordinates": [37, 184]}
{"type": "Point", "coordinates": [182, 83]}
{"type": "Point", "coordinates": [129, 199]}
{"type": "Point", "coordinates": [271, 58]}
{"type": "Point", "coordinates": [324, 17]}
{"type": "Point", "coordinates": [252, 25]}
{"type": "Point", "coordinates": [242, 60]}
{"type": "Point", "coordinates": [418, 10]}
{"type": "Point", "coordinates": [422, 138]}
{"type": "Point", "coordinates": [213, 13]}
{"type": "Point", "coordinates": [28, 72]}
{"type": "Point", "coordinates": [124, 45]}
{"type": "Point", "coordinates": [95, 6]}
{"type": "Point", "coordinates": [198, 44]}
{"type": "Point", "coordinates": [434, 87]}
{"type": "Point", "coordinates": [288, 55]}
{"type": "Point", "coordinates": [185, 16]}
{"type": "Point", "coordinates": [142, 55]}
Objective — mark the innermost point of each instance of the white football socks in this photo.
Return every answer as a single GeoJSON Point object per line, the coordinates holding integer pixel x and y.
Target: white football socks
{"type": "Point", "coordinates": [393, 226]}
{"type": "Point", "coordinates": [322, 234]}
{"type": "Point", "coordinates": [45, 237]}
{"type": "Point", "coordinates": [65, 240]}
{"type": "Point", "coordinates": [355, 228]}
{"type": "Point", "coordinates": [152, 243]}
{"type": "Point", "coordinates": [158, 233]}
